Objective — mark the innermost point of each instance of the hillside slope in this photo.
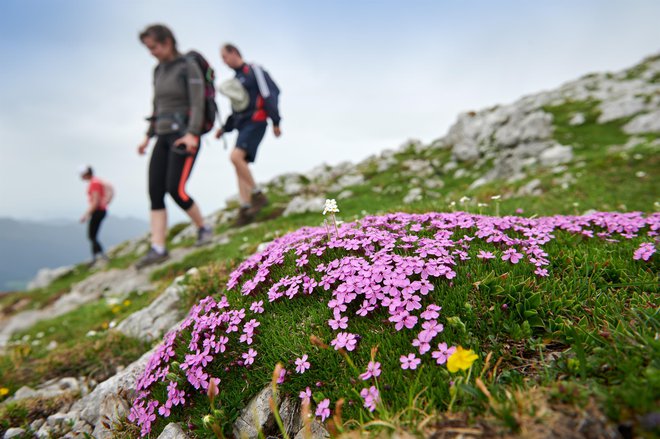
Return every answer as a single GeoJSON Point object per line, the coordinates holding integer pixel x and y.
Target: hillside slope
{"type": "Point", "coordinates": [562, 318]}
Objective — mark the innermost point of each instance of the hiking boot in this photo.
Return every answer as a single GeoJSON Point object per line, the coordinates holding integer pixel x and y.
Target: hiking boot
{"type": "Point", "coordinates": [258, 201]}
{"type": "Point", "coordinates": [245, 216]}
{"type": "Point", "coordinates": [153, 257]}
{"type": "Point", "coordinates": [204, 236]}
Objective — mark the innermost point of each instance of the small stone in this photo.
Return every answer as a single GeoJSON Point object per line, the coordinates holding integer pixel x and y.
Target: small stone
{"type": "Point", "coordinates": [57, 420]}
{"type": "Point", "coordinates": [173, 431]}
{"type": "Point", "coordinates": [317, 429]}
{"type": "Point", "coordinates": [345, 195]}
{"type": "Point", "coordinates": [577, 119]}
{"type": "Point", "coordinates": [14, 432]}
{"type": "Point", "coordinates": [36, 424]}
{"type": "Point", "coordinates": [556, 155]}
{"type": "Point", "coordinates": [24, 392]}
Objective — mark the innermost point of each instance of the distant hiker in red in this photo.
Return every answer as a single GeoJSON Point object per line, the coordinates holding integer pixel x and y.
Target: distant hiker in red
{"type": "Point", "coordinates": [99, 195]}
{"type": "Point", "coordinates": [254, 98]}
{"type": "Point", "coordinates": [177, 122]}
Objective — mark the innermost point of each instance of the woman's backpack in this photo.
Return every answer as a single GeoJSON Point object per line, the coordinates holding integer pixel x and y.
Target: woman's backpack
{"type": "Point", "coordinates": [210, 107]}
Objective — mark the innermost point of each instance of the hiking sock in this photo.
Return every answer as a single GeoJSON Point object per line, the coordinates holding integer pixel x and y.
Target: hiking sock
{"type": "Point", "coordinates": [160, 249]}
{"type": "Point", "coordinates": [246, 206]}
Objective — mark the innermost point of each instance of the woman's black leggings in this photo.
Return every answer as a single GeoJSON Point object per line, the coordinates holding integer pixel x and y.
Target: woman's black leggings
{"type": "Point", "coordinates": [169, 170]}
{"type": "Point", "coordinates": [93, 230]}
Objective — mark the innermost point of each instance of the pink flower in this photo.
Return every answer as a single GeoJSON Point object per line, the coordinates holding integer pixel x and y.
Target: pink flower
{"type": "Point", "coordinates": [257, 307]}
{"type": "Point", "coordinates": [305, 395]}
{"type": "Point", "coordinates": [301, 261]}
{"type": "Point", "coordinates": [644, 251]}
{"type": "Point", "coordinates": [443, 353]}
{"type": "Point", "coordinates": [215, 389]}
{"type": "Point", "coordinates": [431, 312]}
{"type": "Point", "coordinates": [302, 364]}
{"type": "Point", "coordinates": [409, 362]}
{"type": "Point", "coordinates": [512, 256]}
{"type": "Point", "coordinates": [249, 356]}
{"type": "Point", "coordinates": [371, 398]}
{"type": "Point", "coordinates": [280, 379]}
{"type": "Point", "coordinates": [485, 255]}
{"type": "Point", "coordinates": [422, 342]}
{"type": "Point", "coordinates": [402, 319]}
{"type": "Point", "coordinates": [373, 370]}
{"type": "Point", "coordinates": [541, 272]}
{"type": "Point", "coordinates": [344, 340]}
{"type": "Point", "coordinates": [164, 410]}
{"type": "Point", "coordinates": [323, 409]}
{"type": "Point", "coordinates": [338, 323]}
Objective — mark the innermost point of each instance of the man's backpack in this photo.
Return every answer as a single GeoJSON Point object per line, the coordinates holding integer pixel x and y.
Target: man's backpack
{"type": "Point", "coordinates": [108, 193]}
{"type": "Point", "coordinates": [210, 107]}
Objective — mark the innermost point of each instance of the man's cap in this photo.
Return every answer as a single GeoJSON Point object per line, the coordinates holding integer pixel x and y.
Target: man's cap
{"type": "Point", "coordinates": [84, 169]}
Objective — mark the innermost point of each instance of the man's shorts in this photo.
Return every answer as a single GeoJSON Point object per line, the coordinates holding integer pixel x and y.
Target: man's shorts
{"type": "Point", "coordinates": [249, 138]}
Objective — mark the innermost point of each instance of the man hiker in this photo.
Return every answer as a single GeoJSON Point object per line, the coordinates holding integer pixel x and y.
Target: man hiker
{"type": "Point", "coordinates": [99, 195]}
{"type": "Point", "coordinates": [254, 98]}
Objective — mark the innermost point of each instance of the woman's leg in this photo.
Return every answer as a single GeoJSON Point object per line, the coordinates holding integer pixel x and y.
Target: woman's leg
{"type": "Point", "coordinates": [178, 171]}
{"type": "Point", "coordinates": [157, 190]}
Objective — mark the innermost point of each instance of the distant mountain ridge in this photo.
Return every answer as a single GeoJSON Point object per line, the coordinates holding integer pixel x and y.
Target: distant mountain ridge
{"type": "Point", "coordinates": [26, 246]}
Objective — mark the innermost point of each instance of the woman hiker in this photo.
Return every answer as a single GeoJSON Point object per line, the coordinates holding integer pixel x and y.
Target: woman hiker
{"type": "Point", "coordinates": [176, 122]}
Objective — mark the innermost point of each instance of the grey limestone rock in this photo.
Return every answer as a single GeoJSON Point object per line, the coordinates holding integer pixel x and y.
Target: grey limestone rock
{"type": "Point", "coordinates": [173, 431]}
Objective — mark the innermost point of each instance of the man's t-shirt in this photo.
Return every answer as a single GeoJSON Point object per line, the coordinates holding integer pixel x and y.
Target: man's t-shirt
{"type": "Point", "coordinates": [97, 185]}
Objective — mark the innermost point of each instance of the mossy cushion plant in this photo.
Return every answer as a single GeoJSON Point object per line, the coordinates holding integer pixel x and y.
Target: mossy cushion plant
{"type": "Point", "coordinates": [381, 311]}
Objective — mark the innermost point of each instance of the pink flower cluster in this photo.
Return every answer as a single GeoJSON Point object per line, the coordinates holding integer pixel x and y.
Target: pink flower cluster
{"type": "Point", "coordinates": [388, 263]}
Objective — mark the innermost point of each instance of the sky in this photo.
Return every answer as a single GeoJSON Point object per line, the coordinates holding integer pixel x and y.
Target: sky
{"type": "Point", "coordinates": [356, 77]}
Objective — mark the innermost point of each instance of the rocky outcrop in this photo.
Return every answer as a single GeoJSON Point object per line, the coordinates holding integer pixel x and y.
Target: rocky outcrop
{"type": "Point", "coordinates": [46, 275]}
{"type": "Point", "coordinates": [644, 123]}
{"type": "Point", "coordinates": [108, 402]}
{"type": "Point", "coordinates": [152, 322]}
{"type": "Point", "coordinates": [303, 204]}
{"type": "Point", "coordinates": [257, 418]}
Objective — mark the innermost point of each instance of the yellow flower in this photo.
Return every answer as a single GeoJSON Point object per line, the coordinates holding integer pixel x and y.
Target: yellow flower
{"type": "Point", "coordinates": [3, 391]}
{"type": "Point", "coordinates": [127, 302]}
{"type": "Point", "coordinates": [105, 325]}
{"type": "Point", "coordinates": [116, 309]}
{"type": "Point", "coordinates": [461, 359]}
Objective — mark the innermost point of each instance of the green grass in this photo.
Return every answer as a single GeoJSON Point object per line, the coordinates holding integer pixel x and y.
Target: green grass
{"type": "Point", "coordinates": [93, 357]}
{"type": "Point", "coordinates": [29, 360]}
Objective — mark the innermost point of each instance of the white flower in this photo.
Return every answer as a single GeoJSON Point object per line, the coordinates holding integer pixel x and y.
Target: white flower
{"type": "Point", "coordinates": [91, 333]}
{"type": "Point", "coordinates": [112, 301]}
{"type": "Point", "coordinates": [112, 324]}
{"type": "Point", "coordinates": [496, 197]}
{"type": "Point", "coordinates": [40, 335]}
{"type": "Point", "coordinates": [482, 205]}
{"type": "Point", "coordinates": [330, 206]}
{"type": "Point", "coordinates": [452, 204]}
{"type": "Point", "coordinates": [640, 174]}
{"type": "Point", "coordinates": [464, 200]}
